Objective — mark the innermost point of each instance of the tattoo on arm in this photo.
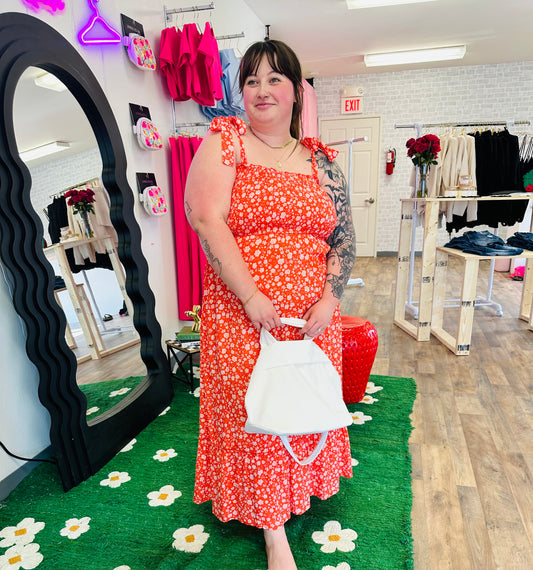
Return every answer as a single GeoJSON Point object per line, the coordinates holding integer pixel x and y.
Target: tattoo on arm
{"type": "Point", "coordinates": [341, 256]}
{"type": "Point", "coordinates": [215, 263]}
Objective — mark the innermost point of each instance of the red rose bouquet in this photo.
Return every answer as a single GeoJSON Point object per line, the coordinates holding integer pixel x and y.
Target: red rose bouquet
{"type": "Point", "coordinates": [423, 150]}
{"type": "Point", "coordinates": [80, 200]}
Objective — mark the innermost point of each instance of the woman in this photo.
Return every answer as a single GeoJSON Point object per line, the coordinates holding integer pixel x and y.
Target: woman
{"type": "Point", "coordinates": [273, 217]}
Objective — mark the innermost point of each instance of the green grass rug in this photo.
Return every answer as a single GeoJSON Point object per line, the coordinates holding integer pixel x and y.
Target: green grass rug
{"type": "Point", "coordinates": [137, 512]}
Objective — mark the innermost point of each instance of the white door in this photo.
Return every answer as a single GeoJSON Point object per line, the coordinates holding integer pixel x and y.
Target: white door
{"type": "Point", "coordinates": [365, 172]}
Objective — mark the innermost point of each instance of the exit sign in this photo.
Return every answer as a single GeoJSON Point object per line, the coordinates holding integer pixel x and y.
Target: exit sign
{"type": "Point", "coordinates": [351, 105]}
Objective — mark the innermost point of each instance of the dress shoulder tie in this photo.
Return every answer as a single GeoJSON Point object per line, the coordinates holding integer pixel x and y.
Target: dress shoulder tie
{"type": "Point", "coordinates": [227, 127]}
{"type": "Point", "coordinates": [314, 145]}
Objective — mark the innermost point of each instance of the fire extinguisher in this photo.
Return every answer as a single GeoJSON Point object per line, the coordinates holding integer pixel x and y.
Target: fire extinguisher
{"type": "Point", "coordinates": [391, 160]}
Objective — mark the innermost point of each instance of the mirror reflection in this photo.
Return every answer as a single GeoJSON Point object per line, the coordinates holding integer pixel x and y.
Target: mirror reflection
{"type": "Point", "coordinates": [57, 144]}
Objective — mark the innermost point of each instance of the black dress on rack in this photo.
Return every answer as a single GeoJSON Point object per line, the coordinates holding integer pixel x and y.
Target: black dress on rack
{"type": "Point", "coordinates": [497, 172]}
{"type": "Point", "coordinates": [57, 219]}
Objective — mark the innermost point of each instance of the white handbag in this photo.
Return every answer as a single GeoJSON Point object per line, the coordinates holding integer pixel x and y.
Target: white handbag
{"type": "Point", "coordinates": [294, 390]}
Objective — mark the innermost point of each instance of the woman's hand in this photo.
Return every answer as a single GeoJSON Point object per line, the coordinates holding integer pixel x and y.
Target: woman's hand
{"type": "Point", "coordinates": [318, 317]}
{"type": "Point", "coordinates": [261, 311]}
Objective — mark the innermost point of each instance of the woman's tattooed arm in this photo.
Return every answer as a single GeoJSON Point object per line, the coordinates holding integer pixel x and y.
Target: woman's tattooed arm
{"type": "Point", "coordinates": [341, 256]}
{"type": "Point", "coordinates": [213, 261]}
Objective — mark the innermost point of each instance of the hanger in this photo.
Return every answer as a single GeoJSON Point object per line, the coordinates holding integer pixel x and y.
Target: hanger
{"type": "Point", "coordinates": [112, 37]}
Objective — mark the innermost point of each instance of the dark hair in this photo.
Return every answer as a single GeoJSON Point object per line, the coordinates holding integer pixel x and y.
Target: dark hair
{"type": "Point", "coordinates": [283, 60]}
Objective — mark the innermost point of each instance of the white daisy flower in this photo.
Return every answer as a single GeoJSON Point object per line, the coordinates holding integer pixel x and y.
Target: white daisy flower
{"type": "Point", "coordinates": [74, 528]}
{"type": "Point", "coordinates": [123, 567]}
{"type": "Point", "coordinates": [367, 399]}
{"type": "Point", "coordinates": [21, 556]}
{"type": "Point", "coordinates": [165, 454]}
{"type": "Point", "coordinates": [190, 539]}
{"type": "Point", "coordinates": [341, 566]}
{"type": "Point", "coordinates": [196, 372]}
{"type": "Point", "coordinates": [120, 392]}
{"type": "Point", "coordinates": [115, 479]}
{"type": "Point", "coordinates": [165, 411]}
{"type": "Point", "coordinates": [164, 497]}
{"type": "Point", "coordinates": [359, 418]}
{"type": "Point", "coordinates": [355, 463]}
{"type": "Point", "coordinates": [129, 446]}
{"type": "Point", "coordinates": [371, 388]}
{"type": "Point", "coordinates": [23, 533]}
{"type": "Point", "coordinates": [333, 538]}
{"type": "Point", "coordinates": [92, 410]}
{"type": "Point", "coordinates": [197, 392]}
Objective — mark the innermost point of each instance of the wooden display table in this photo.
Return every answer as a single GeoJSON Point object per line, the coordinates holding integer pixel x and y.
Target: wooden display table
{"type": "Point", "coordinates": [460, 343]}
{"type": "Point", "coordinates": [81, 304]}
{"type": "Point", "coordinates": [421, 330]}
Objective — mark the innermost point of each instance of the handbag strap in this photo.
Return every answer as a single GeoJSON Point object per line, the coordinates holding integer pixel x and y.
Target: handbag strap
{"type": "Point", "coordinates": [266, 339]}
{"type": "Point", "coordinates": [319, 447]}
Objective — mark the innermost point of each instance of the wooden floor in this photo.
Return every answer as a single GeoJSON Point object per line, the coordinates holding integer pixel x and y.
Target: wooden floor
{"type": "Point", "coordinates": [472, 443]}
{"type": "Point", "coordinates": [122, 364]}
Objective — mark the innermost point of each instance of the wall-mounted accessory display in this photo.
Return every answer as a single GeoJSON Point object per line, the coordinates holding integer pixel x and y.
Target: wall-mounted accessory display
{"type": "Point", "coordinates": [137, 46]}
{"type": "Point", "coordinates": [97, 30]}
{"type": "Point", "coordinates": [140, 52]}
{"type": "Point", "coordinates": [147, 134]}
{"type": "Point", "coordinates": [151, 195]}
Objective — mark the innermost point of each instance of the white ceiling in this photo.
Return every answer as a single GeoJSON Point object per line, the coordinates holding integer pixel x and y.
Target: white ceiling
{"type": "Point", "coordinates": [331, 40]}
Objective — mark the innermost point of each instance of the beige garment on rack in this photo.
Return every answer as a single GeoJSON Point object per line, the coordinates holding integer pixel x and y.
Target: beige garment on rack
{"type": "Point", "coordinates": [100, 223]}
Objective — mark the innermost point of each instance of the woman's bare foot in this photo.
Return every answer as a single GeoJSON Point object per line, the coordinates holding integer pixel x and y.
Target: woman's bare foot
{"type": "Point", "coordinates": [278, 550]}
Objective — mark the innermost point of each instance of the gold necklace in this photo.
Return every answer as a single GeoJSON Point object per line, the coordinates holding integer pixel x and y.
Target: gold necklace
{"type": "Point", "coordinates": [271, 146]}
{"type": "Point", "coordinates": [278, 162]}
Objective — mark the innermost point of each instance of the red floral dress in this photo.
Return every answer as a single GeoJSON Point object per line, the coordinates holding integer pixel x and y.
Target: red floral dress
{"type": "Point", "coordinates": [280, 221]}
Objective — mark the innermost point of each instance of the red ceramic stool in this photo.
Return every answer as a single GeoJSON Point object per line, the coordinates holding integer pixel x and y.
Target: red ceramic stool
{"type": "Point", "coordinates": [359, 347]}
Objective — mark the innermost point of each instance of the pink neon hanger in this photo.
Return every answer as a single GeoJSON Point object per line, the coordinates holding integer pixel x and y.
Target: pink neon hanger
{"type": "Point", "coordinates": [114, 38]}
{"type": "Point", "coordinates": [51, 6]}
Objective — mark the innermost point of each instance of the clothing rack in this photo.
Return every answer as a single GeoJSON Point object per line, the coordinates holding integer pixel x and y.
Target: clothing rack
{"type": "Point", "coordinates": [231, 36]}
{"type": "Point", "coordinates": [91, 182]}
{"type": "Point", "coordinates": [178, 126]}
{"type": "Point", "coordinates": [357, 280]}
{"type": "Point", "coordinates": [168, 13]}
{"type": "Point", "coordinates": [420, 126]}
{"type": "Point", "coordinates": [411, 305]}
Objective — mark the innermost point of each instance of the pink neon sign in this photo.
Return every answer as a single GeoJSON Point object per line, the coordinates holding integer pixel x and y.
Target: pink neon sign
{"type": "Point", "coordinates": [51, 6]}
{"type": "Point", "coordinates": [97, 30]}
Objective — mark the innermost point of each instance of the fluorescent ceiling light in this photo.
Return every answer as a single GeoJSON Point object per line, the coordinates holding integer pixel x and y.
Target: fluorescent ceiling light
{"type": "Point", "coordinates": [49, 81]}
{"type": "Point", "coordinates": [44, 150]}
{"type": "Point", "coordinates": [354, 4]}
{"type": "Point", "coordinates": [415, 56]}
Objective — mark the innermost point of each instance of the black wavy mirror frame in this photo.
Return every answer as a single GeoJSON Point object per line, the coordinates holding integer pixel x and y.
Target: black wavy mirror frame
{"type": "Point", "coordinates": [80, 448]}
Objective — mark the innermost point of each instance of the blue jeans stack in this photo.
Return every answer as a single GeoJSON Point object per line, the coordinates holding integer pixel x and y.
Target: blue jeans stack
{"type": "Point", "coordinates": [521, 239]}
{"type": "Point", "coordinates": [484, 243]}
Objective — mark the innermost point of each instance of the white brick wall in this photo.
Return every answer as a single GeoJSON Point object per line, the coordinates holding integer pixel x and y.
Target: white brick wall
{"type": "Point", "coordinates": [53, 177]}
{"type": "Point", "coordinates": [451, 94]}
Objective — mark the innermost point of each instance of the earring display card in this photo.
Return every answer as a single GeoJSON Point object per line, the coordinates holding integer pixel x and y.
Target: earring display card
{"type": "Point", "coordinates": [138, 112]}
{"type": "Point", "coordinates": [130, 26]}
{"type": "Point", "coordinates": [145, 180]}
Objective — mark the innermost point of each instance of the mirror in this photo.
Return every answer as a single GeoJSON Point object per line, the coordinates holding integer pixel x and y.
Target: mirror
{"type": "Point", "coordinates": [80, 447]}
{"type": "Point", "coordinates": [89, 281]}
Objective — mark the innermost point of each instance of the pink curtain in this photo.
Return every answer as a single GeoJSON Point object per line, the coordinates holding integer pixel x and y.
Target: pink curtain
{"type": "Point", "coordinates": [190, 258]}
